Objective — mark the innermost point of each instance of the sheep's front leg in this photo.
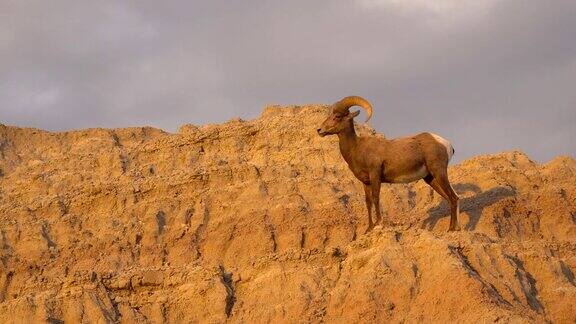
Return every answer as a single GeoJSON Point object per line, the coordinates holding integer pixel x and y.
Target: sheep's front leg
{"type": "Point", "coordinates": [375, 183]}
{"type": "Point", "coordinates": [368, 196]}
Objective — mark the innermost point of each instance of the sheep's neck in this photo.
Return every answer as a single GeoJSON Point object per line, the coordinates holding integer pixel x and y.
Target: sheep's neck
{"type": "Point", "coordinates": [347, 141]}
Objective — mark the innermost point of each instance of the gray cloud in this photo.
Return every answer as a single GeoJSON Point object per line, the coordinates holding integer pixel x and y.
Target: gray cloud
{"type": "Point", "coordinates": [490, 75]}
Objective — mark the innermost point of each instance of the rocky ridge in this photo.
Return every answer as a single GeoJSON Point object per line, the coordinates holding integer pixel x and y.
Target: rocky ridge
{"type": "Point", "coordinates": [260, 221]}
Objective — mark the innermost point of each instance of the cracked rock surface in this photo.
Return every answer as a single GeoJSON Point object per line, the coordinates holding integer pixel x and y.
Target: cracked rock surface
{"type": "Point", "coordinates": [261, 221]}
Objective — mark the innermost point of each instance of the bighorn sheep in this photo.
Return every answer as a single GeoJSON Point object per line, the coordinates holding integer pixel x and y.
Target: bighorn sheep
{"type": "Point", "coordinates": [374, 160]}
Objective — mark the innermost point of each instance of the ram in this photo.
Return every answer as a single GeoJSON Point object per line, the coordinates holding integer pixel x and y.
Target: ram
{"type": "Point", "coordinates": [376, 160]}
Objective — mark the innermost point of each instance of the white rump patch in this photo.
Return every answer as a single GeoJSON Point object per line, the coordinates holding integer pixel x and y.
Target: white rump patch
{"type": "Point", "coordinates": [445, 143]}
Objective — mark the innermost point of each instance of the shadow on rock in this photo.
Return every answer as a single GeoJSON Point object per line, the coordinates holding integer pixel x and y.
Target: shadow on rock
{"type": "Point", "coordinates": [473, 206]}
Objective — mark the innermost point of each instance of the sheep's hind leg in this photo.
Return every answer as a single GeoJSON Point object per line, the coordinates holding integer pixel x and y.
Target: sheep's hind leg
{"type": "Point", "coordinates": [442, 186]}
{"type": "Point", "coordinates": [454, 208]}
{"type": "Point", "coordinates": [432, 182]}
{"type": "Point", "coordinates": [454, 202]}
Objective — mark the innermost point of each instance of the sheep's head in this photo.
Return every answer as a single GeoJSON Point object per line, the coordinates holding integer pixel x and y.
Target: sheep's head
{"type": "Point", "coordinates": [340, 116]}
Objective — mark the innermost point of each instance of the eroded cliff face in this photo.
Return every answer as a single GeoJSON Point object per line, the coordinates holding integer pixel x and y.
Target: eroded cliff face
{"type": "Point", "coordinates": [262, 221]}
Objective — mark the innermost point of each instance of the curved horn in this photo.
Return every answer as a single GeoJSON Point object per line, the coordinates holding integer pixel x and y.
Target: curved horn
{"type": "Point", "coordinates": [350, 101]}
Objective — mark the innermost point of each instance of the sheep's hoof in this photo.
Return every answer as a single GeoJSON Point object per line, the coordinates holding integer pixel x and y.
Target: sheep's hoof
{"type": "Point", "coordinates": [454, 228]}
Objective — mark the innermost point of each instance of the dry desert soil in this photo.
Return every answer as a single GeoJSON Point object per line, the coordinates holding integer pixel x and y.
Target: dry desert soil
{"type": "Point", "coordinates": [262, 222]}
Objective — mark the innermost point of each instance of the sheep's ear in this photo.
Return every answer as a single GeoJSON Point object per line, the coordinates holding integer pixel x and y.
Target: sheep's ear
{"type": "Point", "coordinates": [354, 114]}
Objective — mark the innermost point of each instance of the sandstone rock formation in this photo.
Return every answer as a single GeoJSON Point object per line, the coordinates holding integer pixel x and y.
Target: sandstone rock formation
{"type": "Point", "coordinates": [261, 221]}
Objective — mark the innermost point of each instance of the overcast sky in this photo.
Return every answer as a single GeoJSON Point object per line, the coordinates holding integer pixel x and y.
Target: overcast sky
{"type": "Point", "coordinates": [489, 75]}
